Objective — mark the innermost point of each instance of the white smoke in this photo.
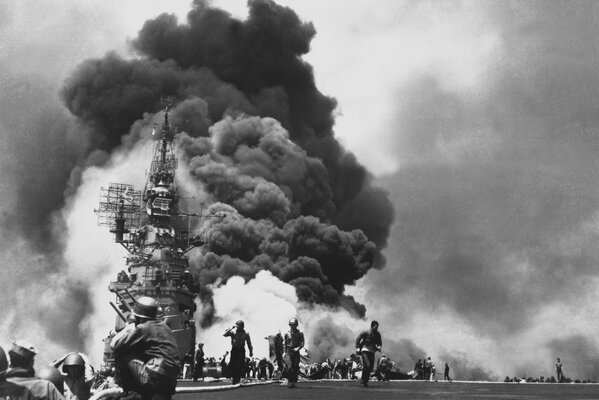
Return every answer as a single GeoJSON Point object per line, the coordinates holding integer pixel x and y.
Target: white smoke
{"type": "Point", "coordinates": [266, 304]}
{"type": "Point", "coordinates": [93, 258]}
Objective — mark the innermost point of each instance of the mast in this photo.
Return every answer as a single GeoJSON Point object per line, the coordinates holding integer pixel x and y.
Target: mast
{"type": "Point", "coordinates": [156, 265]}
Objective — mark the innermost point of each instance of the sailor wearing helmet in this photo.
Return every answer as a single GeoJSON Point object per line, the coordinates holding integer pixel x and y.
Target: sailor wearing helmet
{"type": "Point", "coordinates": [79, 375]}
{"type": "Point", "coordinates": [238, 340]}
{"type": "Point", "coordinates": [294, 341]}
{"type": "Point", "coordinates": [146, 354]}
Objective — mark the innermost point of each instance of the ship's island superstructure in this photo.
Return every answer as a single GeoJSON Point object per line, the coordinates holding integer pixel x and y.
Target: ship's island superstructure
{"type": "Point", "coordinates": [156, 265]}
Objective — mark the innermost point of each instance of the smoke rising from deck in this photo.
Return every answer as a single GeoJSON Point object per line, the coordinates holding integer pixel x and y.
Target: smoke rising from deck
{"type": "Point", "coordinates": [295, 202]}
{"type": "Point", "coordinates": [496, 229]}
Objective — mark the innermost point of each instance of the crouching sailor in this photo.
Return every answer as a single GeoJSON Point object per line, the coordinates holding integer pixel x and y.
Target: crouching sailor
{"type": "Point", "coordinates": [146, 355]}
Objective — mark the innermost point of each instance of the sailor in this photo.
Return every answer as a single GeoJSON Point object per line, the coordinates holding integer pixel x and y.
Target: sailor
{"type": "Point", "coordinates": [146, 354]}
{"type": "Point", "coordinates": [382, 368]}
{"type": "Point", "coordinates": [446, 373]}
{"type": "Point", "coordinates": [262, 368]}
{"type": "Point", "coordinates": [560, 370]}
{"type": "Point", "coordinates": [10, 390]}
{"type": "Point", "coordinates": [294, 341]}
{"type": "Point", "coordinates": [79, 375]}
{"type": "Point", "coordinates": [198, 369]}
{"type": "Point", "coordinates": [367, 343]}
{"type": "Point", "coordinates": [239, 338]}
{"type": "Point", "coordinates": [418, 369]}
{"type": "Point", "coordinates": [21, 372]}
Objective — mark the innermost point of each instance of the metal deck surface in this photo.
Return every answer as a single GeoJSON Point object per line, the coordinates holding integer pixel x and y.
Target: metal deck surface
{"type": "Point", "coordinates": [352, 390]}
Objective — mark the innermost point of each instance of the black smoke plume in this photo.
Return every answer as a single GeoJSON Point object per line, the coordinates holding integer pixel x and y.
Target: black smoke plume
{"type": "Point", "coordinates": [257, 139]}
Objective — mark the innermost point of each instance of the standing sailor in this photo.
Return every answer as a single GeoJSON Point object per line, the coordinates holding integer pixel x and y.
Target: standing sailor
{"type": "Point", "coordinates": [559, 367]}
{"type": "Point", "coordinates": [146, 354]}
{"type": "Point", "coordinates": [294, 341]}
{"type": "Point", "coordinates": [238, 340]}
{"type": "Point", "coordinates": [198, 369]}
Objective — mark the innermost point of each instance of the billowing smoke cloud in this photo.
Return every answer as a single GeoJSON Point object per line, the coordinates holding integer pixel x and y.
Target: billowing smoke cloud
{"type": "Point", "coordinates": [291, 200]}
{"type": "Point", "coordinates": [497, 215]}
{"type": "Point", "coordinates": [248, 109]}
{"type": "Point", "coordinates": [496, 199]}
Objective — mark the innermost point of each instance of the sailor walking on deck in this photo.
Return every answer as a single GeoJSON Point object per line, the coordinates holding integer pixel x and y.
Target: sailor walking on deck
{"type": "Point", "coordinates": [146, 355]}
{"type": "Point", "coordinates": [294, 341]}
{"type": "Point", "coordinates": [238, 340]}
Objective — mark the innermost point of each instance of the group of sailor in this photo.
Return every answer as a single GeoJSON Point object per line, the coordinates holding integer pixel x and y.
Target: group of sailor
{"type": "Point", "coordinates": [20, 381]}
{"type": "Point", "coordinates": [146, 361]}
{"type": "Point", "coordinates": [146, 364]}
{"type": "Point", "coordinates": [288, 362]}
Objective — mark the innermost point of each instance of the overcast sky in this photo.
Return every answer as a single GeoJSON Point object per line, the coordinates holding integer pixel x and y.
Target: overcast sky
{"type": "Point", "coordinates": [479, 118]}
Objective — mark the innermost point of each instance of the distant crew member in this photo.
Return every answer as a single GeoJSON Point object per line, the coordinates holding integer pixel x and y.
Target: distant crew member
{"type": "Point", "coordinates": [262, 369]}
{"type": "Point", "coordinates": [560, 370]}
{"type": "Point", "coordinates": [446, 373]}
{"type": "Point", "coordinates": [427, 368]}
{"type": "Point", "coordinates": [294, 341]}
{"type": "Point", "coordinates": [198, 369]}
{"type": "Point", "coordinates": [21, 372]}
{"type": "Point", "coordinates": [382, 368]}
{"type": "Point", "coordinates": [367, 343]}
{"type": "Point", "coordinates": [10, 390]}
{"type": "Point", "coordinates": [146, 354]}
{"type": "Point", "coordinates": [79, 375]}
{"type": "Point", "coordinates": [418, 369]}
{"type": "Point", "coordinates": [239, 338]}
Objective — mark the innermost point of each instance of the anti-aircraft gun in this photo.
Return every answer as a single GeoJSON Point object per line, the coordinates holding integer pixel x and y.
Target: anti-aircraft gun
{"type": "Point", "coordinates": [157, 265]}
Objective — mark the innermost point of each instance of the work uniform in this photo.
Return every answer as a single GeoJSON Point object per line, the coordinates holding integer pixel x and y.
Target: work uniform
{"type": "Point", "coordinates": [147, 359]}
{"type": "Point", "coordinates": [383, 367]}
{"type": "Point", "coordinates": [236, 363]}
{"type": "Point", "coordinates": [40, 389]}
{"type": "Point", "coordinates": [294, 339]}
{"type": "Point", "coordinates": [446, 373]}
{"type": "Point", "coordinates": [78, 386]}
{"type": "Point", "coordinates": [13, 391]}
{"type": "Point", "coordinates": [559, 369]}
{"type": "Point", "coordinates": [198, 369]}
{"type": "Point", "coordinates": [368, 342]}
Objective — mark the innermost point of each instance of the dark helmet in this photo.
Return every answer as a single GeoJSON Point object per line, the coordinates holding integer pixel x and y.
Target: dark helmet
{"type": "Point", "coordinates": [145, 307]}
{"type": "Point", "coordinates": [293, 322]}
{"type": "Point", "coordinates": [3, 362]}
{"type": "Point", "coordinates": [52, 375]}
{"type": "Point", "coordinates": [239, 324]}
{"type": "Point", "coordinates": [73, 360]}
